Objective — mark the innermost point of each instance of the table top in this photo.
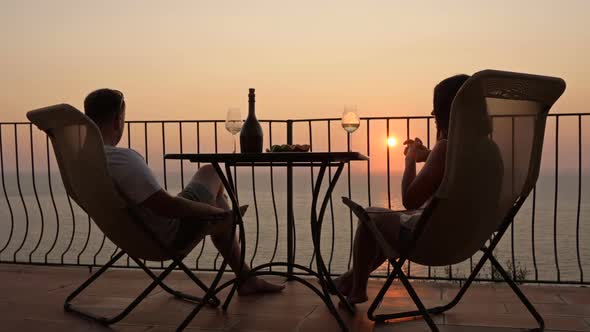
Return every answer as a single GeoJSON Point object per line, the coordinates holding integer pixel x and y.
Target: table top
{"type": "Point", "coordinates": [269, 157]}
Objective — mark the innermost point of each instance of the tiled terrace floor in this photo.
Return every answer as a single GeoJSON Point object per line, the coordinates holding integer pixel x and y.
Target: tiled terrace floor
{"type": "Point", "coordinates": [31, 299]}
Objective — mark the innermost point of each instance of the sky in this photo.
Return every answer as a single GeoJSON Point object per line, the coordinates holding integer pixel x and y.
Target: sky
{"type": "Point", "coordinates": [196, 59]}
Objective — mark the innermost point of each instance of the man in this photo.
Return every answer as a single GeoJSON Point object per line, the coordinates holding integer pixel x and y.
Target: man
{"type": "Point", "coordinates": [176, 220]}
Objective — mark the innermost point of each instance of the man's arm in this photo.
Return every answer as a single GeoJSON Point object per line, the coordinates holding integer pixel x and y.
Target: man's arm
{"type": "Point", "coordinates": [165, 205]}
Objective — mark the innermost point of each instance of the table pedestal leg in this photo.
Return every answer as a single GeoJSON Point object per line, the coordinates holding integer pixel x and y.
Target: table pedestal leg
{"type": "Point", "coordinates": [316, 224]}
{"type": "Point", "coordinates": [324, 279]}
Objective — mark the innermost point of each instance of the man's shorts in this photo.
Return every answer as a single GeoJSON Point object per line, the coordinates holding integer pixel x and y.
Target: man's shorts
{"type": "Point", "coordinates": [190, 229]}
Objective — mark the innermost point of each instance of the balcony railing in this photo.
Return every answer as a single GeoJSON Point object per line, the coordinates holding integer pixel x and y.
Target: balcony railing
{"type": "Point", "coordinates": [549, 241]}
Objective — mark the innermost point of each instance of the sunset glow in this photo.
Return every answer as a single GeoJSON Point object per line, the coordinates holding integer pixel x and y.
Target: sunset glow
{"type": "Point", "coordinates": [391, 141]}
{"type": "Point", "coordinates": [193, 59]}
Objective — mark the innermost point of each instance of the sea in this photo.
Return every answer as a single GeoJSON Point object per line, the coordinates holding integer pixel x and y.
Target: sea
{"type": "Point", "coordinates": [549, 243]}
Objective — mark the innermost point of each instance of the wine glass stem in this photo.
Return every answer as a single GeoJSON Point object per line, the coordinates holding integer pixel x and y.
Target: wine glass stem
{"type": "Point", "coordinates": [234, 143]}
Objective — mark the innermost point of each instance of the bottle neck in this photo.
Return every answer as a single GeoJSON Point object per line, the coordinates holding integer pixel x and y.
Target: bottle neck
{"type": "Point", "coordinates": [251, 106]}
{"type": "Point", "coordinates": [251, 112]}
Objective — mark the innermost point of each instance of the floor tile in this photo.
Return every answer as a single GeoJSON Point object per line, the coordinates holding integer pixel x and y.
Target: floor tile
{"type": "Point", "coordinates": [31, 299]}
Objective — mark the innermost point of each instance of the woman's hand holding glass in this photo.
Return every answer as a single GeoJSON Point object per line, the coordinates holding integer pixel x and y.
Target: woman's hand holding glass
{"type": "Point", "coordinates": [415, 150]}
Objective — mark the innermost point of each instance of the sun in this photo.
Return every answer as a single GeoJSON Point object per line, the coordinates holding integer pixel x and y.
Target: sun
{"type": "Point", "coordinates": [392, 141]}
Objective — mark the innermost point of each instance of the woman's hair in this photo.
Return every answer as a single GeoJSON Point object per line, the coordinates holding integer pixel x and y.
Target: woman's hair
{"type": "Point", "coordinates": [103, 105]}
{"type": "Point", "coordinates": [444, 93]}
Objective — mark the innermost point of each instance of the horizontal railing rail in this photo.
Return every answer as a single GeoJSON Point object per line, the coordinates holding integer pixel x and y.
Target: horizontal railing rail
{"type": "Point", "coordinates": [549, 242]}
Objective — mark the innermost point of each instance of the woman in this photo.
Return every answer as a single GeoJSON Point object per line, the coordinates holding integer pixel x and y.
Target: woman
{"type": "Point", "coordinates": [416, 190]}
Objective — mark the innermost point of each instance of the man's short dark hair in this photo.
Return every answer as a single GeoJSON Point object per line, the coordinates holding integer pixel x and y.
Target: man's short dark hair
{"type": "Point", "coordinates": [103, 105]}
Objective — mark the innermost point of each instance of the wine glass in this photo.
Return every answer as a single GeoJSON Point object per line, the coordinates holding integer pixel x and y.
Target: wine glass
{"type": "Point", "coordinates": [350, 119]}
{"type": "Point", "coordinates": [233, 123]}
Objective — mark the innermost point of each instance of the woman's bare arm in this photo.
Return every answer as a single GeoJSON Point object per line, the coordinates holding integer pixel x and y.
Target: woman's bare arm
{"type": "Point", "coordinates": [418, 188]}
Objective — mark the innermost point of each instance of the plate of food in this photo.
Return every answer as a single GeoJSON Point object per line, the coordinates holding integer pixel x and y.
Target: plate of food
{"type": "Point", "coordinates": [289, 148]}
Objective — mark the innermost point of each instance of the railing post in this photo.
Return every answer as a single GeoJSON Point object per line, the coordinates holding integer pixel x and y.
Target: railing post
{"type": "Point", "coordinates": [290, 216]}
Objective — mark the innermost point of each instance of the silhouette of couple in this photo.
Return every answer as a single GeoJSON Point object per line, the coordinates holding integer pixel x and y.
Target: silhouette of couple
{"type": "Point", "coordinates": [179, 219]}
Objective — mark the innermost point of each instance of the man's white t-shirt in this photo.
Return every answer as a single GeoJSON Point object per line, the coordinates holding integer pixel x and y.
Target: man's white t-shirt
{"type": "Point", "coordinates": [135, 180]}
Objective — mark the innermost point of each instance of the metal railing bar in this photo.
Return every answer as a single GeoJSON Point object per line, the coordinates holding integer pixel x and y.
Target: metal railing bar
{"type": "Point", "coordinates": [533, 232]}
{"type": "Point", "coordinates": [428, 146]}
{"type": "Point", "coordinates": [198, 143]}
{"type": "Point", "coordinates": [50, 185]}
{"type": "Point", "coordinates": [257, 217]}
{"type": "Point", "coordinates": [512, 191]}
{"type": "Point", "coordinates": [367, 118]}
{"type": "Point", "coordinates": [20, 193]}
{"type": "Point", "coordinates": [556, 194]}
{"type": "Point", "coordinates": [408, 263]}
{"type": "Point", "coordinates": [193, 121]}
{"type": "Point", "coordinates": [274, 203]}
{"type": "Point", "coordinates": [235, 187]}
{"type": "Point", "coordinates": [181, 162]}
{"type": "Point", "coordinates": [291, 228]}
{"type": "Point", "coordinates": [5, 194]}
{"type": "Point", "coordinates": [568, 114]}
{"type": "Point", "coordinates": [380, 276]}
{"type": "Point", "coordinates": [333, 242]}
{"type": "Point", "coordinates": [387, 133]}
{"type": "Point", "coordinates": [579, 198]}
{"type": "Point", "coordinates": [147, 160]}
{"type": "Point", "coordinates": [181, 151]}
{"type": "Point", "coordinates": [127, 260]}
{"type": "Point", "coordinates": [35, 193]}
{"type": "Point", "coordinates": [145, 143]}
{"type": "Point", "coordinates": [164, 170]}
{"type": "Point", "coordinates": [164, 159]}
{"type": "Point", "coordinates": [368, 163]}
{"type": "Point", "coordinates": [428, 133]}
{"type": "Point", "coordinates": [301, 120]}
{"type": "Point", "coordinates": [416, 117]}
{"type": "Point", "coordinates": [349, 211]}
{"type": "Point", "coordinates": [309, 125]}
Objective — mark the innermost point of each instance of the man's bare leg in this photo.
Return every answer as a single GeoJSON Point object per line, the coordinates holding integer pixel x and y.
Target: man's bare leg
{"type": "Point", "coordinates": [226, 243]}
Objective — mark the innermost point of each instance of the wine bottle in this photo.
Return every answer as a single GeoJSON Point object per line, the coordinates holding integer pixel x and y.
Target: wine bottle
{"type": "Point", "coordinates": [251, 133]}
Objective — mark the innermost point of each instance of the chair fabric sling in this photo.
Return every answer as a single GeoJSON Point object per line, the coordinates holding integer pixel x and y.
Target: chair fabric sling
{"type": "Point", "coordinates": [79, 153]}
{"type": "Point", "coordinates": [494, 147]}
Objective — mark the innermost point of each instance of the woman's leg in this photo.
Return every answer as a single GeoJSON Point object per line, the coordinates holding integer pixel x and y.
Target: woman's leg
{"type": "Point", "coordinates": [344, 281]}
{"type": "Point", "coordinates": [367, 256]}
